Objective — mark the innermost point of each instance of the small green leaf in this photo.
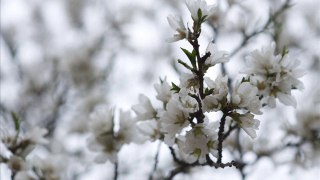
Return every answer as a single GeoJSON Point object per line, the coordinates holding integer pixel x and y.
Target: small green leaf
{"type": "Point", "coordinates": [175, 88]}
{"type": "Point", "coordinates": [185, 65]}
{"type": "Point", "coordinates": [284, 51]}
{"type": "Point", "coordinates": [193, 59]}
{"type": "Point", "coordinates": [203, 19]}
{"type": "Point", "coordinates": [161, 80]}
{"type": "Point", "coordinates": [191, 56]}
{"type": "Point", "coordinates": [16, 121]}
{"type": "Point", "coordinates": [208, 91]}
{"type": "Point", "coordinates": [199, 14]}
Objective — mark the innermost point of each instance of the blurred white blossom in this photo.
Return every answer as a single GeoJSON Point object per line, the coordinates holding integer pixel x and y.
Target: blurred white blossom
{"type": "Point", "coordinates": [176, 24]}
{"type": "Point", "coordinates": [195, 5]}
{"type": "Point", "coordinates": [216, 56]}
{"type": "Point", "coordinates": [163, 91]}
{"type": "Point", "coordinates": [144, 110]}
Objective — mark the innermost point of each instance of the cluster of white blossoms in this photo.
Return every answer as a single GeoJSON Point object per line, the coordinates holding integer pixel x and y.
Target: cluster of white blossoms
{"type": "Point", "coordinates": [16, 147]}
{"type": "Point", "coordinates": [104, 139]}
{"type": "Point", "coordinates": [183, 121]}
{"type": "Point", "coordinates": [274, 75]}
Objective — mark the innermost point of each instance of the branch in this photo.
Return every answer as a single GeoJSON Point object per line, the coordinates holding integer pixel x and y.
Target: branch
{"type": "Point", "coordinates": [246, 38]}
{"type": "Point", "coordinates": [115, 177]}
{"type": "Point", "coordinates": [231, 128]}
{"type": "Point", "coordinates": [221, 137]}
{"type": "Point", "coordinates": [156, 161]}
{"type": "Point", "coordinates": [239, 148]}
{"type": "Point", "coordinates": [176, 171]}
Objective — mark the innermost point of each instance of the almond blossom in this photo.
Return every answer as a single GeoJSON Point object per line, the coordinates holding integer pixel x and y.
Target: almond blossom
{"type": "Point", "coordinates": [176, 24]}
{"type": "Point", "coordinates": [163, 91]}
{"type": "Point", "coordinates": [274, 75]}
{"type": "Point", "coordinates": [195, 5]}
{"type": "Point", "coordinates": [216, 56]}
{"type": "Point", "coordinates": [247, 123]}
{"type": "Point", "coordinates": [144, 110]}
{"type": "Point", "coordinates": [219, 87]}
{"type": "Point", "coordinates": [200, 141]}
{"type": "Point", "coordinates": [173, 120]}
{"type": "Point", "coordinates": [245, 96]}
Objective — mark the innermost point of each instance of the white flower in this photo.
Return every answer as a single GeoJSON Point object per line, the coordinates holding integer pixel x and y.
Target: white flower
{"type": "Point", "coordinates": [101, 121]}
{"type": "Point", "coordinates": [245, 96]}
{"type": "Point", "coordinates": [247, 123]}
{"type": "Point", "coordinates": [50, 166]}
{"type": "Point", "coordinates": [16, 163]}
{"type": "Point", "coordinates": [127, 130]}
{"type": "Point", "coordinates": [163, 91]}
{"type": "Point", "coordinates": [111, 156]}
{"type": "Point", "coordinates": [150, 129]}
{"type": "Point", "coordinates": [219, 94]}
{"type": "Point", "coordinates": [216, 55]}
{"type": "Point", "coordinates": [173, 120]}
{"type": "Point", "coordinates": [144, 110]}
{"type": "Point", "coordinates": [176, 23]}
{"type": "Point", "coordinates": [189, 103]}
{"type": "Point", "coordinates": [308, 122]}
{"type": "Point", "coordinates": [274, 75]}
{"type": "Point", "coordinates": [200, 141]}
{"type": "Point", "coordinates": [188, 80]}
{"type": "Point", "coordinates": [196, 144]}
{"type": "Point", "coordinates": [195, 5]}
{"type": "Point", "coordinates": [103, 139]}
{"type": "Point", "coordinates": [25, 175]}
{"type": "Point", "coordinates": [106, 146]}
{"type": "Point", "coordinates": [36, 135]}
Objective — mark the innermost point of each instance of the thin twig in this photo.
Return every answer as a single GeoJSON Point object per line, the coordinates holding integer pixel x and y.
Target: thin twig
{"type": "Point", "coordinates": [239, 148]}
{"type": "Point", "coordinates": [115, 177]}
{"type": "Point", "coordinates": [156, 161]}
{"type": "Point", "coordinates": [231, 128]}
{"type": "Point", "coordinates": [246, 38]}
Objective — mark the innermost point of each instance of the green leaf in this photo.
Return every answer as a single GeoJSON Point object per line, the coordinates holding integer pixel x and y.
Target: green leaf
{"type": "Point", "coordinates": [193, 59]}
{"type": "Point", "coordinates": [191, 56]}
{"type": "Point", "coordinates": [204, 18]}
{"type": "Point", "coordinates": [175, 88]}
{"type": "Point", "coordinates": [284, 51]}
{"type": "Point", "coordinates": [185, 65]}
{"type": "Point", "coordinates": [16, 121]}
{"type": "Point", "coordinates": [199, 14]}
{"type": "Point", "coordinates": [161, 80]}
{"type": "Point", "coordinates": [208, 91]}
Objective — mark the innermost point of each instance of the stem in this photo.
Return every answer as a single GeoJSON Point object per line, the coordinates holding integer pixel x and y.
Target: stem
{"type": "Point", "coordinates": [176, 171]}
{"type": "Point", "coordinates": [115, 171]}
{"type": "Point", "coordinates": [242, 164]}
{"type": "Point", "coordinates": [231, 128]}
{"type": "Point", "coordinates": [156, 161]}
{"type": "Point", "coordinates": [221, 137]}
{"type": "Point", "coordinates": [199, 72]}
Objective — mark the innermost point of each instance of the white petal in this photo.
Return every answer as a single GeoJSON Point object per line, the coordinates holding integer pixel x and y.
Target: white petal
{"type": "Point", "coordinates": [287, 99]}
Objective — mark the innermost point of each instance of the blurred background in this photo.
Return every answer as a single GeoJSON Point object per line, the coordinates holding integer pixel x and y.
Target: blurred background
{"type": "Point", "coordinates": [60, 59]}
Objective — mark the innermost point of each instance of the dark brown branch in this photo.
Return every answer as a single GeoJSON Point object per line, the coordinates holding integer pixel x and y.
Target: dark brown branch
{"type": "Point", "coordinates": [115, 177]}
{"type": "Point", "coordinates": [221, 136]}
